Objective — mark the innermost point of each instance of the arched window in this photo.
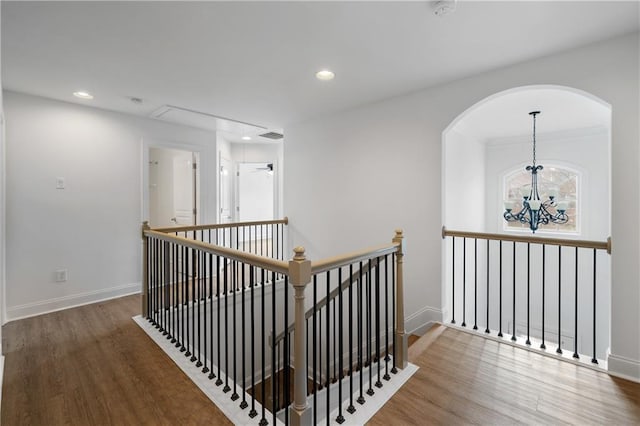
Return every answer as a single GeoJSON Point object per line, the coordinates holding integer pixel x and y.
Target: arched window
{"type": "Point", "coordinates": [563, 180]}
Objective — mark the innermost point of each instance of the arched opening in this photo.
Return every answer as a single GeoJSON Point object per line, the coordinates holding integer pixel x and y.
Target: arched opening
{"type": "Point", "coordinates": [483, 150]}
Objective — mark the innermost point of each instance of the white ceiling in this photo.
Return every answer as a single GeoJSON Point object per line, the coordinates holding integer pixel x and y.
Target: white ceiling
{"type": "Point", "coordinates": [507, 116]}
{"type": "Point", "coordinates": [255, 61]}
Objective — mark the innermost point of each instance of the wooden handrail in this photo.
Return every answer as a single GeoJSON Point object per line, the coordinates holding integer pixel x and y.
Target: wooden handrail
{"type": "Point", "coordinates": [184, 228]}
{"type": "Point", "coordinates": [229, 253]}
{"type": "Point", "coordinates": [356, 256]}
{"type": "Point", "coordinates": [600, 245]}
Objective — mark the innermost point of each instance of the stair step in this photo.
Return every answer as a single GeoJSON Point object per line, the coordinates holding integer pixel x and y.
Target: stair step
{"type": "Point", "coordinates": [421, 344]}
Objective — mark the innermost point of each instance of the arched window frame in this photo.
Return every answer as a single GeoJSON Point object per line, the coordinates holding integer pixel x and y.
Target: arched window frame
{"type": "Point", "coordinates": [511, 172]}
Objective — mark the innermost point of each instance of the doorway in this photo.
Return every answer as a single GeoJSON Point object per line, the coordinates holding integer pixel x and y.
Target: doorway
{"type": "Point", "coordinates": [174, 191]}
{"type": "Point", "coordinates": [255, 191]}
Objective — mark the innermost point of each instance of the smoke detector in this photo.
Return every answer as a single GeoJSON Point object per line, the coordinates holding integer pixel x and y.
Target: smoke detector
{"type": "Point", "coordinates": [444, 7]}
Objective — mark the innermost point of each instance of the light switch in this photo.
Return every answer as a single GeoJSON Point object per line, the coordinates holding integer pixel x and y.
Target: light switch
{"type": "Point", "coordinates": [59, 183]}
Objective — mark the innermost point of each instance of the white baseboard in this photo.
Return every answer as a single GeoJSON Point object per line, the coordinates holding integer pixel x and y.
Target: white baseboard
{"type": "Point", "coordinates": [71, 301]}
{"type": "Point", "coordinates": [625, 368]}
{"type": "Point", "coordinates": [420, 322]}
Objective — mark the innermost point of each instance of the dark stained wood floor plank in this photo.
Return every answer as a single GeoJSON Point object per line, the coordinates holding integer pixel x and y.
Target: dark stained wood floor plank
{"type": "Point", "coordinates": [93, 365]}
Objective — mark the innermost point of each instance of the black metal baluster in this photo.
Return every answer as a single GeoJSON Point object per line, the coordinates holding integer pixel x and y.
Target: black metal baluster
{"type": "Point", "coordinates": [370, 391]}
{"type": "Point", "coordinates": [156, 291]}
{"type": "Point", "coordinates": [351, 408]}
{"type": "Point", "coordinates": [197, 299]}
{"type": "Point", "coordinates": [274, 352]}
{"type": "Point", "coordinates": [394, 369]}
{"type": "Point", "coordinates": [542, 345]}
{"type": "Point", "coordinates": [211, 374]}
{"type": "Point", "coordinates": [486, 330]}
{"type": "Point", "coordinates": [335, 337]}
{"type": "Point", "coordinates": [203, 302]}
{"type": "Point", "coordinates": [320, 345]}
{"type": "Point", "coordinates": [500, 309]}
{"type": "Point", "coordinates": [176, 301]}
{"type": "Point", "coordinates": [453, 280]}
{"type": "Point", "coordinates": [377, 299]}
{"type": "Point", "coordinates": [275, 381]}
{"type": "Point", "coordinates": [244, 403]}
{"type": "Point", "coordinates": [328, 345]}
{"type": "Point", "coordinates": [218, 324]}
{"type": "Point", "coordinates": [594, 359]}
{"type": "Point", "coordinates": [225, 280]}
{"type": "Point", "coordinates": [528, 342]}
{"type": "Point", "coordinates": [194, 274]}
{"type": "Point", "coordinates": [360, 335]}
{"type": "Point", "coordinates": [152, 280]}
{"type": "Point", "coordinates": [286, 385]}
{"type": "Point", "coordinates": [575, 333]}
{"type": "Point", "coordinates": [475, 284]}
{"type": "Point", "coordinates": [253, 412]}
{"type": "Point", "coordinates": [513, 336]}
{"type": "Point", "coordinates": [234, 290]}
{"type": "Point", "coordinates": [386, 318]}
{"type": "Point", "coordinates": [263, 419]}
{"type": "Point", "coordinates": [163, 286]}
{"type": "Point", "coordinates": [184, 331]}
{"type": "Point", "coordinates": [340, 418]}
{"type": "Point", "coordinates": [149, 276]}
{"type": "Point", "coordinates": [464, 282]}
{"type": "Point", "coordinates": [559, 350]}
{"type": "Point", "coordinates": [187, 299]}
{"type": "Point", "coordinates": [313, 352]}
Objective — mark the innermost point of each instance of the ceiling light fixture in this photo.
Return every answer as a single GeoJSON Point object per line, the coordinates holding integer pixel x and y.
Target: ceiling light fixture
{"type": "Point", "coordinates": [82, 94]}
{"type": "Point", "coordinates": [325, 75]}
{"type": "Point", "coordinates": [534, 211]}
{"type": "Point", "coordinates": [444, 7]}
{"type": "Point", "coordinates": [246, 138]}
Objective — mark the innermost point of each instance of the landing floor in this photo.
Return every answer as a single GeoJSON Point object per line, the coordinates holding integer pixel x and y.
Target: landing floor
{"type": "Point", "coordinates": [467, 379]}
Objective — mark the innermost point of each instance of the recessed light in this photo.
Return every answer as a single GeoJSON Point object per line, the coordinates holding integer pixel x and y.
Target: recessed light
{"type": "Point", "coordinates": [83, 95]}
{"type": "Point", "coordinates": [325, 75]}
{"type": "Point", "coordinates": [246, 138]}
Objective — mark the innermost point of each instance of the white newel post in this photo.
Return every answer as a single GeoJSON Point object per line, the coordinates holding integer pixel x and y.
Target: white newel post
{"type": "Point", "coordinates": [401, 336]}
{"type": "Point", "coordinates": [300, 276]}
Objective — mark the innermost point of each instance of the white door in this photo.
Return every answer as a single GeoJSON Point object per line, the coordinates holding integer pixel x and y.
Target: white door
{"type": "Point", "coordinates": [225, 192]}
{"type": "Point", "coordinates": [255, 191]}
{"type": "Point", "coordinates": [183, 189]}
{"type": "Point", "coordinates": [173, 189]}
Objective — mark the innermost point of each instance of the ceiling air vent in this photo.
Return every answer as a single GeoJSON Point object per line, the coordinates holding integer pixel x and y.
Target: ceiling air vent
{"type": "Point", "coordinates": [272, 135]}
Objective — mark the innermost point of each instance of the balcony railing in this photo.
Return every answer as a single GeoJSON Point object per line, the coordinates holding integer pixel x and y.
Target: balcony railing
{"type": "Point", "coordinates": [224, 296]}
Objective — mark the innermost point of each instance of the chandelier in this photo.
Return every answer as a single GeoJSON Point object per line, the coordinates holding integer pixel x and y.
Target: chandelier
{"type": "Point", "coordinates": [534, 211]}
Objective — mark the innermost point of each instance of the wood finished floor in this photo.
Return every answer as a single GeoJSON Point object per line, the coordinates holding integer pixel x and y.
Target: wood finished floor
{"type": "Point", "coordinates": [94, 366]}
{"type": "Point", "coordinates": [466, 379]}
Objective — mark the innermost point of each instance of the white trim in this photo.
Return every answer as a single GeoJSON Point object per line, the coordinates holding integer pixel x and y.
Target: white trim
{"type": "Point", "coordinates": [421, 321]}
{"type": "Point", "coordinates": [65, 302]}
{"type": "Point", "coordinates": [625, 368]}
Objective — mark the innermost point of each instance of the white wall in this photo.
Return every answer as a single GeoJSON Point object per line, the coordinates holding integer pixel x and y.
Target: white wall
{"type": "Point", "coordinates": [464, 170]}
{"type": "Point", "coordinates": [92, 227]}
{"type": "Point", "coordinates": [355, 176]}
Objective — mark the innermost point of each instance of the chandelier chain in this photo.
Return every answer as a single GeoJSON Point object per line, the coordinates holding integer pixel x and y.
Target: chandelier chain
{"type": "Point", "coordinates": [534, 140]}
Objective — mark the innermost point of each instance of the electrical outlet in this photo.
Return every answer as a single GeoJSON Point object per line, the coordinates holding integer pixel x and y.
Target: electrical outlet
{"type": "Point", "coordinates": [59, 183]}
{"type": "Point", "coordinates": [61, 275]}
